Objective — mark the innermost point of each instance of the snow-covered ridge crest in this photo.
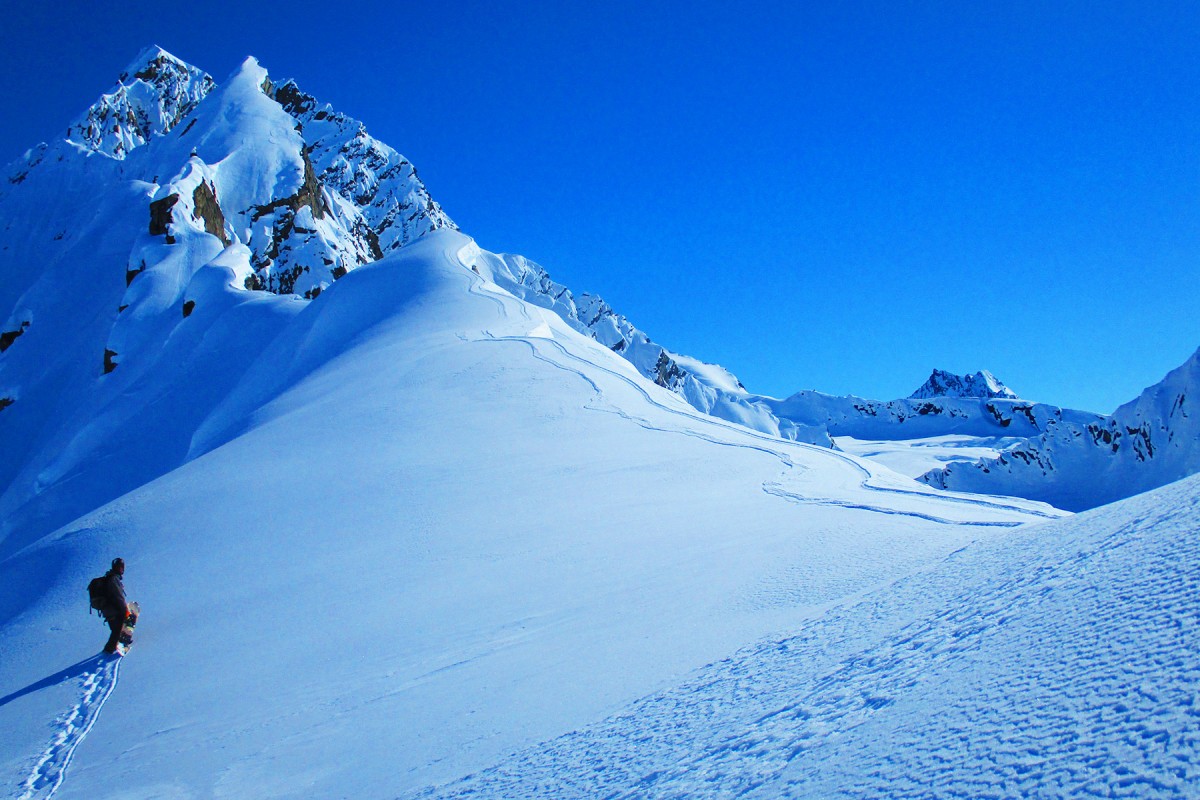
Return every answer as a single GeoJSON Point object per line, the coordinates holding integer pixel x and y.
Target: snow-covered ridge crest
{"type": "Point", "coordinates": [313, 196]}
{"type": "Point", "coordinates": [152, 95]}
{"type": "Point", "coordinates": [911, 417]}
{"type": "Point", "coordinates": [706, 387]}
{"type": "Point", "coordinates": [947, 384]}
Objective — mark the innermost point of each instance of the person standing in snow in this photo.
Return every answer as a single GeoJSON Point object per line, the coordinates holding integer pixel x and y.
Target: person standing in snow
{"type": "Point", "coordinates": [116, 607]}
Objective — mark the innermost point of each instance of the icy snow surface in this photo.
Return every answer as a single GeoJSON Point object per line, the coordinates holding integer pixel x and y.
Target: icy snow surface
{"type": "Point", "coordinates": [432, 526]}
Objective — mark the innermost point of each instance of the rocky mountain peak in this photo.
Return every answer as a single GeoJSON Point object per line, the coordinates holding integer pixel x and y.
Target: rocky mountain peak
{"type": "Point", "coordinates": [150, 97]}
{"type": "Point", "coordinates": [947, 384]}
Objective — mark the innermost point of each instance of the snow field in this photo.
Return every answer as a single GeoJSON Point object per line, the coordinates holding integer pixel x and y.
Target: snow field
{"type": "Point", "coordinates": [1056, 661]}
{"type": "Point", "coordinates": [416, 538]}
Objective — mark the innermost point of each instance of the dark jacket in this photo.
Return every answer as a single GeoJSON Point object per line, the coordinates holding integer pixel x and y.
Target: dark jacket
{"type": "Point", "coordinates": [115, 606]}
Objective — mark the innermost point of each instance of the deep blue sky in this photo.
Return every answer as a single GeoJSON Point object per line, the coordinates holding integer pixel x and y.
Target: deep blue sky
{"type": "Point", "coordinates": [837, 196]}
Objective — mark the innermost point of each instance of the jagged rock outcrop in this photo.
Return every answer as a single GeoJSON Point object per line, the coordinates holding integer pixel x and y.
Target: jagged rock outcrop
{"type": "Point", "coordinates": [208, 210]}
{"type": "Point", "coordinates": [152, 95]}
{"type": "Point", "coordinates": [8, 337]}
{"type": "Point", "coordinates": [378, 181]}
{"type": "Point", "coordinates": [913, 418]}
{"type": "Point", "coordinates": [947, 384]}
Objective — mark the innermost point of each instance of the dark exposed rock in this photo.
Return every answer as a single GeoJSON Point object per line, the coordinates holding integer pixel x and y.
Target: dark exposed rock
{"type": "Point", "coordinates": [5, 402]}
{"type": "Point", "coordinates": [122, 308]}
{"type": "Point", "coordinates": [667, 373]}
{"type": "Point", "coordinates": [188, 307]}
{"type": "Point", "coordinates": [338, 272]}
{"type": "Point", "coordinates": [161, 217]}
{"type": "Point", "coordinates": [294, 101]}
{"type": "Point", "coordinates": [309, 195]}
{"type": "Point", "coordinates": [110, 360]}
{"type": "Point", "coordinates": [209, 210]}
{"type": "Point", "coordinates": [8, 337]}
{"type": "Point", "coordinates": [130, 274]}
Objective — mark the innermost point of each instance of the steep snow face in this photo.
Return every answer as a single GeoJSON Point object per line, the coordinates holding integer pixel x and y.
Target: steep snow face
{"type": "Point", "coordinates": [1147, 442]}
{"type": "Point", "coordinates": [424, 525]}
{"type": "Point", "coordinates": [152, 95]}
{"type": "Point", "coordinates": [947, 384]}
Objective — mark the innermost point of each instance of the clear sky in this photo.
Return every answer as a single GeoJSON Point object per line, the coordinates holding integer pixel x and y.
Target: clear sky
{"type": "Point", "coordinates": [832, 196]}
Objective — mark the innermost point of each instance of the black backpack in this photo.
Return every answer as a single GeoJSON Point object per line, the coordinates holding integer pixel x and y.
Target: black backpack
{"type": "Point", "coordinates": [97, 595]}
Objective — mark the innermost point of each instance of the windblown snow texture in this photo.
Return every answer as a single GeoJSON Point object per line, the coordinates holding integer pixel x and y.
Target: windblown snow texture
{"type": "Point", "coordinates": [1052, 663]}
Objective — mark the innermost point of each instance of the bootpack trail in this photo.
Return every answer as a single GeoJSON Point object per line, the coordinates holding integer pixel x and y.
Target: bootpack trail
{"type": "Point", "coordinates": [96, 683]}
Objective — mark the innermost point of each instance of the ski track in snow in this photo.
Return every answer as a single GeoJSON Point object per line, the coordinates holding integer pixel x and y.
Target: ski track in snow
{"type": "Point", "coordinates": [476, 286]}
{"type": "Point", "coordinates": [773, 488]}
{"type": "Point", "coordinates": [71, 728]}
{"type": "Point", "coordinates": [941, 705]}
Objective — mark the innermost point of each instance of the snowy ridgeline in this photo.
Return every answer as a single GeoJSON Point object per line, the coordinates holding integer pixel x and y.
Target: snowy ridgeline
{"type": "Point", "coordinates": [122, 239]}
{"type": "Point", "coordinates": [434, 542]}
{"type": "Point", "coordinates": [1074, 464]}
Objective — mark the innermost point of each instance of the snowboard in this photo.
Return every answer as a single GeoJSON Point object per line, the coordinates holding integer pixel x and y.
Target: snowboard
{"type": "Point", "coordinates": [126, 636]}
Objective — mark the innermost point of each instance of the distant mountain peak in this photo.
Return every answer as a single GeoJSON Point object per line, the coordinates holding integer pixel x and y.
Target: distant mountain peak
{"type": "Point", "coordinates": [948, 384]}
{"type": "Point", "coordinates": [150, 97]}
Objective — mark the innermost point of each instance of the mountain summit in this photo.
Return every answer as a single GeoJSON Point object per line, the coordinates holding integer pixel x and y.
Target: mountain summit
{"type": "Point", "coordinates": [982, 384]}
{"type": "Point", "coordinates": [153, 93]}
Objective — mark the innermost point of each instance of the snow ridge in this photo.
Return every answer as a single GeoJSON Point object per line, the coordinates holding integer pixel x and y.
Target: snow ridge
{"type": "Point", "coordinates": [706, 387]}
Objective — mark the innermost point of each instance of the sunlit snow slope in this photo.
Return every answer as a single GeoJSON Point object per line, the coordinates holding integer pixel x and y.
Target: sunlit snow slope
{"type": "Point", "coordinates": [429, 526]}
{"type": "Point", "coordinates": [1056, 661]}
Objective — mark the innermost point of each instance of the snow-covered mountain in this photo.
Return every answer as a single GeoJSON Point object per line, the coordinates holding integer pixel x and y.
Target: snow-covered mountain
{"type": "Point", "coordinates": [121, 243]}
{"type": "Point", "coordinates": [947, 384]}
{"type": "Point", "coordinates": [440, 544]}
{"type": "Point", "coordinates": [418, 522]}
{"type": "Point", "coordinates": [128, 245]}
{"type": "Point", "coordinates": [1148, 442]}
{"type": "Point", "coordinates": [978, 405]}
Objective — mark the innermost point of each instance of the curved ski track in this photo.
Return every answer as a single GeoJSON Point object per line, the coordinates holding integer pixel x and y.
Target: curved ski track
{"type": "Point", "coordinates": [477, 288]}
